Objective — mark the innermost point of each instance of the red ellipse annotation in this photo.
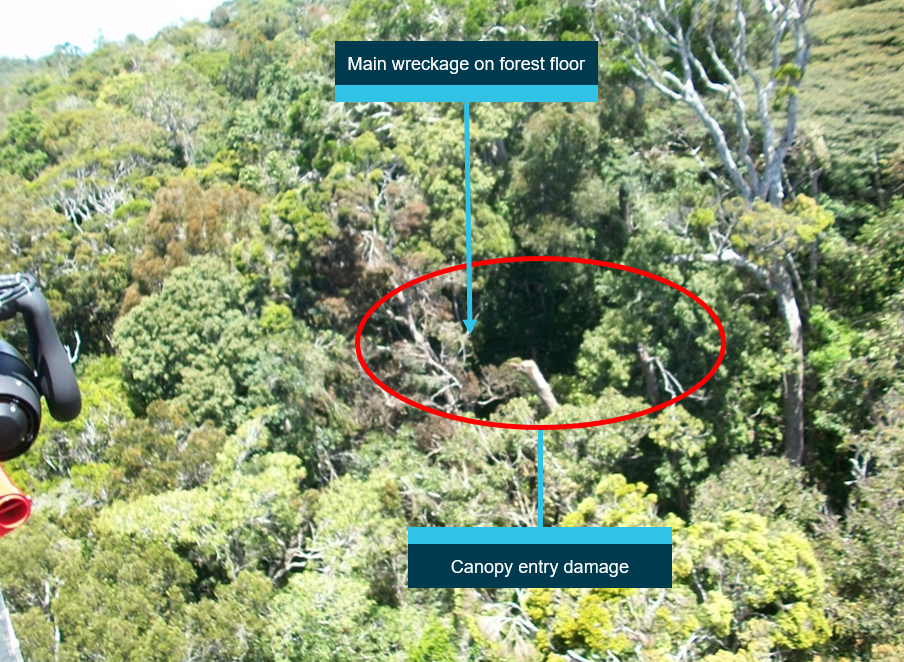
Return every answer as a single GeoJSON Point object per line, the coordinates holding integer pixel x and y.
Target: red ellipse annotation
{"type": "Point", "coordinates": [540, 258]}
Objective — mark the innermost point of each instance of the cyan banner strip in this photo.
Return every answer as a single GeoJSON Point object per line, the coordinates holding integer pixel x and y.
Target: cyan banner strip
{"type": "Point", "coordinates": [461, 93]}
{"type": "Point", "coordinates": [539, 536]}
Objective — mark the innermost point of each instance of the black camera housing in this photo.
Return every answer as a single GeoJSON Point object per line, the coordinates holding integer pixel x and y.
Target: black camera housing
{"type": "Point", "coordinates": [20, 404]}
{"type": "Point", "coordinates": [21, 386]}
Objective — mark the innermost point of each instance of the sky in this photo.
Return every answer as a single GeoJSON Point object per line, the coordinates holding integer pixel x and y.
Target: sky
{"type": "Point", "coordinates": [33, 27]}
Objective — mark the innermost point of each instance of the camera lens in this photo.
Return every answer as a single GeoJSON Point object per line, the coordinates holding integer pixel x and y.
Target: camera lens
{"type": "Point", "coordinates": [20, 409]}
{"type": "Point", "coordinates": [15, 428]}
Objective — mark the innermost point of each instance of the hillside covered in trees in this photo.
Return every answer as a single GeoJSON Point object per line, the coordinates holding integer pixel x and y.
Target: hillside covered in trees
{"type": "Point", "coordinates": [212, 226]}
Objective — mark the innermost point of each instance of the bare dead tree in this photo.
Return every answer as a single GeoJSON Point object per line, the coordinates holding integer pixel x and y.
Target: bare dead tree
{"type": "Point", "coordinates": [437, 366]}
{"type": "Point", "coordinates": [652, 367]}
{"type": "Point", "coordinates": [434, 355]}
{"type": "Point", "coordinates": [730, 75]}
{"type": "Point", "coordinates": [85, 190]}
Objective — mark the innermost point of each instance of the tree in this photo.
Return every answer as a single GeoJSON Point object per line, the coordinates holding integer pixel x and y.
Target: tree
{"type": "Point", "coordinates": [233, 626]}
{"type": "Point", "coordinates": [766, 486]}
{"type": "Point", "coordinates": [245, 517]}
{"type": "Point", "coordinates": [718, 49]}
{"type": "Point", "coordinates": [31, 568]}
{"type": "Point", "coordinates": [716, 57]}
{"type": "Point", "coordinates": [319, 617]}
{"type": "Point", "coordinates": [187, 220]}
{"type": "Point", "coordinates": [761, 239]}
{"type": "Point", "coordinates": [178, 99]}
{"type": "Point", "coordinates": [741, 586]}
{"type": "Point", "coordinates": [359, 532]}
{"type": "Point", "coordinates": [312, 381]}
{"type": "Point", "coordinates": [864, 550]}
{"type": "Point", "coordinates": [124, 602]}
{"type": "Point", "coordinates": [21, 148]}
{"type": "Point", "coordinates": [102, 158]}
{"type": "Point", "coordinates": [194, 342]}
{"type": "Point", "coordinates": [160, 452]}
{"type": "Point", "coordinates": [62, 447]}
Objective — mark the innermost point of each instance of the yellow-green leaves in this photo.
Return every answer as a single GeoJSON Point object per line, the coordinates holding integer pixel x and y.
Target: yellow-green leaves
{"type": "Point", "coordinates": [766, 569]}
{"type": "Point", "coordinates": [767, 233]}
{"type": "Point", "coordinates": [742, 587]}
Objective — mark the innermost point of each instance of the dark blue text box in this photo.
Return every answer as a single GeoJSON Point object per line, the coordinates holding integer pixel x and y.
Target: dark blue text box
{"type": "Point", "coordinates": [648, 565]}
{"type": "Point", "coordinates": [546, 54]}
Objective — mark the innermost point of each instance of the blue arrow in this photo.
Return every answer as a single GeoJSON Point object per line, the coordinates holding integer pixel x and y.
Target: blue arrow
{"type": "Point", "coordinates": [469, 321]}
{"type": "Point", "coordinates": [540, 479]}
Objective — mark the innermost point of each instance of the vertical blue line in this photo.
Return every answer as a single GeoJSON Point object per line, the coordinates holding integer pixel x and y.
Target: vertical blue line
{"type": "Point", "coordinates": [540, 480]}
{"type": "Point", "coordinates": [468, 203]}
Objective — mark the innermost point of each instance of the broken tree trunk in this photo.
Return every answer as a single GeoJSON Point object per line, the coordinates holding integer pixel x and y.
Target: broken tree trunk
{"type": "Point", "coordinates": [541, 386]}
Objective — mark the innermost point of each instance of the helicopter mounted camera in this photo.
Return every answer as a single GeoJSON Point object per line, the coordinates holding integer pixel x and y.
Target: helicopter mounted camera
{"type": "Point", "coordinates": [22, 385]}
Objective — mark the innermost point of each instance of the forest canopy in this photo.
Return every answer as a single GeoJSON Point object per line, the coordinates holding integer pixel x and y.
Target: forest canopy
{"type": "Point", "coordinates": [212, 226]}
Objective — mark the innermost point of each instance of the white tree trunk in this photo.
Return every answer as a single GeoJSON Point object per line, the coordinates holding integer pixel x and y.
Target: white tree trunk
{"type": "Point", "coordinates": [794, 374]}
{"type": "Point", "coordinates": [778, 280]}
{"type": "Point", "coordinates": [541, 386]}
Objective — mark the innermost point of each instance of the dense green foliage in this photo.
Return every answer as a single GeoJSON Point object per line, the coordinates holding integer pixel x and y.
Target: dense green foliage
{"type": "Point", "coordinates": [214, 226]}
